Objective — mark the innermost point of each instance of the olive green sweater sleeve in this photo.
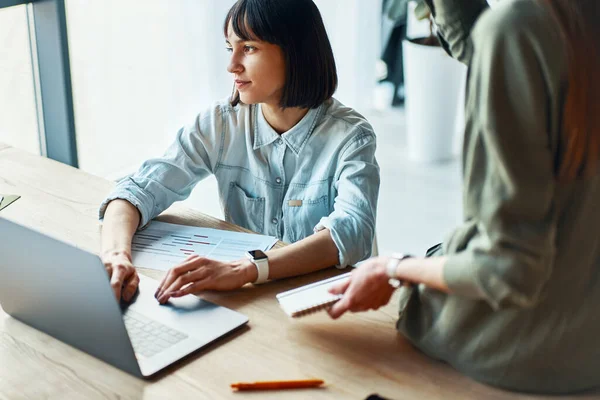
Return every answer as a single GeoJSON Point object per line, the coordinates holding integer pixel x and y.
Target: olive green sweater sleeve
{"type": "Point", "coordinates": [455, 20]}
{"type": "Point", "coordinates": [508, 163]}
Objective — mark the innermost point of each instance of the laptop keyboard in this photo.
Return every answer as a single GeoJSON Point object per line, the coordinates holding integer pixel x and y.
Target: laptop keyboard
{"type": "Point", "coordinates": [148, 336]}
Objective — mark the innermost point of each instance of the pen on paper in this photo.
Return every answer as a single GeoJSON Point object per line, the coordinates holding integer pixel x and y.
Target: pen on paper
{"type": "Point", "coordinates": [276, 385]}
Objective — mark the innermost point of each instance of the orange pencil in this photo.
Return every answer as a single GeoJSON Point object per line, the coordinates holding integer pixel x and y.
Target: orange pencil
{"type": "Point", "coordinates": [275, 385]}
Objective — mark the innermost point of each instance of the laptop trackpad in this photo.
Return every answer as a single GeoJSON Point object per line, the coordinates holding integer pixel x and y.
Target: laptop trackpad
{"type": "Point", "coordinates": [195, 317]}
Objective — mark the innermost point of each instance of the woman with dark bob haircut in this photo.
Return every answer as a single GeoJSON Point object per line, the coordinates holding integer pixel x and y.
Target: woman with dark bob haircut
{"type": "Point", "coordinates": [290, 161]}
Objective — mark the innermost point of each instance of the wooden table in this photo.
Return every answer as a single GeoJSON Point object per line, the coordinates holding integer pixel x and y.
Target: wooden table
{"type": "Point", "coordinates": [358, 355]}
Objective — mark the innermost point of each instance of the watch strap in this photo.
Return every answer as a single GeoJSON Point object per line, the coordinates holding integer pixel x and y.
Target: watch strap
{"type": "Point", "coordinates": [262, 266]}
{"type": "Point", "coordinates": [392, 266]}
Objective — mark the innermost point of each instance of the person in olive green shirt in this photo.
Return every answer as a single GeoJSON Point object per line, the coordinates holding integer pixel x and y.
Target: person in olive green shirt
{"type": "Point", "coordinates": [512, 297]}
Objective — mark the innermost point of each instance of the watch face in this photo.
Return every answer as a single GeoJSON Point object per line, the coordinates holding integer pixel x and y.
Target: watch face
{"type": "Point", "coordinates": [257, 254]}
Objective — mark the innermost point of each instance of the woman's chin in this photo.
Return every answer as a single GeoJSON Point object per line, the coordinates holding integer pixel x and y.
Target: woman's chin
{"type": "Point", "coordinates": [247, 98]}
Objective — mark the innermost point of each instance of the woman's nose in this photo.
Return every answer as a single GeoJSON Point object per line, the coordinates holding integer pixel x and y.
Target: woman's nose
{"type": "Point", "coordinates": [234, 66]}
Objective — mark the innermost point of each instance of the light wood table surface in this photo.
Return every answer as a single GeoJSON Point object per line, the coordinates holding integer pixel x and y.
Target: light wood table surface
{"type": "Point", "coordinates": [358, 355]}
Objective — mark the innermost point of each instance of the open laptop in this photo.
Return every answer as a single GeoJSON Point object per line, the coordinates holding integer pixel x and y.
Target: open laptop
{"type": "Point", "coordinates": [65, 292]}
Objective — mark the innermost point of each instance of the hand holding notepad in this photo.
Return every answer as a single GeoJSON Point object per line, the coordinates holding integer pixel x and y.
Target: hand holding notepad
{"type": "Point", "coordinates": [310, 298]}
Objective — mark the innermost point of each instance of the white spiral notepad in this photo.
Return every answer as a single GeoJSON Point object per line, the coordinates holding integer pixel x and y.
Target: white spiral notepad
{"type": "Point", "coordinates": [310, 298]}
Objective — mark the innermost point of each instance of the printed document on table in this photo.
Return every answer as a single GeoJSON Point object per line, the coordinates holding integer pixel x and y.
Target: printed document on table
{"type": "Point", "coordinates": [162, 245]}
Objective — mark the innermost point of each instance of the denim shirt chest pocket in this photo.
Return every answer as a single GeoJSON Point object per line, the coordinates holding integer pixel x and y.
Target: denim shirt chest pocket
{"type": "Point", "coordinates": [245, 208]}
{"type": "Point", "coordinates": [304, 206]}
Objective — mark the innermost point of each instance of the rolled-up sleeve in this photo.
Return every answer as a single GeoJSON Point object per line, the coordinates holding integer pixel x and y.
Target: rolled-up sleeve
{"type": "Point", "coordinates": [356, 182]}
{"type": "Point", "coordinates": [509, 170]}
{"type": "Point", "coordinates": [160, 182]}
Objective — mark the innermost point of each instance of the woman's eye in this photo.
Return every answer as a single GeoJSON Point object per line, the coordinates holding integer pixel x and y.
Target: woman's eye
{"type": "Point", "coordinates": [229, 49]}
{"type": "Point", "coordinates": [249, 48]}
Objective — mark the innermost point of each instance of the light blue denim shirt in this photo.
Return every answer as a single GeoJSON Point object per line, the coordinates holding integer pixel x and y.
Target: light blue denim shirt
{"type": "Point", "coordinates": [320, 174]}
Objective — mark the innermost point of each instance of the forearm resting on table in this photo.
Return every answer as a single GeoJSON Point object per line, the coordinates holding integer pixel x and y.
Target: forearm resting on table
{"type": "Point", "coordinates": [310, 254]}
{"type": "Point", "coordinates": [121, 220]}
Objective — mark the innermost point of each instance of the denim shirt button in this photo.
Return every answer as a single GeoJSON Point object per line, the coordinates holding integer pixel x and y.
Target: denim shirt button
{"type": "Point", "coordinates": [278, 180]}
{"type": "Point", "coordinates": [274, 220]}
{"type": "Point", "coordinates": [279, 142]}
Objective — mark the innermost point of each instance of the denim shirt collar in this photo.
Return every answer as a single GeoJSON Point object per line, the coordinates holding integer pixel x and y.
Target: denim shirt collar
{"type": "Point", "coordinates": [295, 138]}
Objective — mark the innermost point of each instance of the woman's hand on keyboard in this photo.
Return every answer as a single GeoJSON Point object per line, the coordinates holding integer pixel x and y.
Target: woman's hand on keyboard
{"type": "Point", "coordinates": [124, 279]}
{"type": "Point", "coordinates": [196, 274]}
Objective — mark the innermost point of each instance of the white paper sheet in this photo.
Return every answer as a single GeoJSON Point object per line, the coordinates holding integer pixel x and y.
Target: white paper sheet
{"type": "Point", "coordinates": [162, 245]}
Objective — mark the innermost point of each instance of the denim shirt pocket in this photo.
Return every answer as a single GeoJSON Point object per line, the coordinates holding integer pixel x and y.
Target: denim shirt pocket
{"type": "Point", "coordinates": [302, 215]}
{"type": "Point", "coordinates": [244, 210]}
